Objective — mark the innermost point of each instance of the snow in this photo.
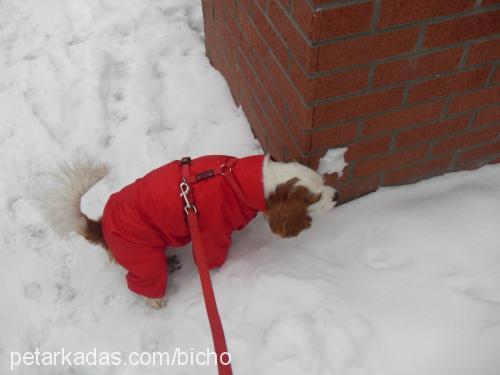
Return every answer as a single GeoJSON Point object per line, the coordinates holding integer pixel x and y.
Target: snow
{"type": "Point", "coordinates": [333, 161]}
{"type": "Point", "coordinates": [401, 282]}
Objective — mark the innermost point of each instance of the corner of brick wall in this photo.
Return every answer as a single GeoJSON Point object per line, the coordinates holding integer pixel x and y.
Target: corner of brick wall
{"type": "Point", "coordinates": [410, 87]}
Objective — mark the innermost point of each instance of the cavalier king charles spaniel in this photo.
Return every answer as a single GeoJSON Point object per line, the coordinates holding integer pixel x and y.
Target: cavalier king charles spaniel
{"type": "Point", "coordinates": [140, 221]}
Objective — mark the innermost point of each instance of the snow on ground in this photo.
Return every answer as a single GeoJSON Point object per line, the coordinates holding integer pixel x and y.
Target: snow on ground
{"type": "Point", "coordinates": [402, 282]}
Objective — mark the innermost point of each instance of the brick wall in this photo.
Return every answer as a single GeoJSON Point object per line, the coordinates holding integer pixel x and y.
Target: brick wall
{"type": "Point", "coordinates": [411, 87]}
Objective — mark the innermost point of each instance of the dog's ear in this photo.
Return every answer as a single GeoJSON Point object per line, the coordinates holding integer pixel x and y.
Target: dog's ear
{"type": "Point", "coordinates": [287, 208]}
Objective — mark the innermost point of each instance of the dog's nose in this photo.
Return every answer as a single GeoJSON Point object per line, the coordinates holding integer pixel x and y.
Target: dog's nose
{"type": "Point", "coordinates": [335, 196]}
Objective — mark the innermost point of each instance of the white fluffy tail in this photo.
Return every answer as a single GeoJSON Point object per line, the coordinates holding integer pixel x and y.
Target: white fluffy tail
{"type": "Point", "coordinates": [62, 200]}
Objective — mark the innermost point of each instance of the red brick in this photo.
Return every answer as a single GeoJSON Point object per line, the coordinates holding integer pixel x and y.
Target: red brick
{"type": "Point", "coordinates": [207, 13]}
{"type": "Point", "coordinates": [270, 85]}
{"type": "Point", "coordinates": [247, 5]}
{"type": "Point", "coordinates": [333, 179]}
{"type": "Point", "coordinates": [465, 140]}
{"type": "Point", "coordinates": [363, 149]}
{"type": "Point", "coordinates": [430, 132]}
{"type": "Point", "coordinates": [332, 23]}
{"type": "Point", "coordinates": [246, 71]}
{"type": "Point", "coordinates": [484, 97]}
{"type": "Point", "coordinates": [303, 83]}
{"type": "Point", "coordinates": [333, 137]}
{"type": "Point", "coordinates": [473, 164]}
{"type": "Point", "coordinates": [357, 188]}
{"type": "Point", "coordinates": [461, 29]}
{"type": "Point", "coordinates": [368, 48]}
{"type": "Point", "coordinates": [285, 135]}
{"type": "Point", "coordinates": [270, 37]}
{"type": "Point", "coordinates": [286, 3]}
{"type": "Point", "coordinates": [255, 94]}
{"type": "Point", "coordinates": [490, 2]}
{"type": "Point", "coordinates": [247, 65]}
{"type": "Point", "coordinates": [297, 129]}
{"type": "Point", "coordinates": [260, 86]}
{"type": "Point", "coordinates": [480, 152]}
{"type": "Point", "coordinates": [417, 172]}
{"type": "Point", "coordinates": [340, 83]}
{"type": "Point", "coordinates": [218, 13]}
{"type": "Point", "coordinates": [230, 38]}
{"type": "Point", "coordinates": [276, 150]}
{"type": "Point", "coordinates": [258, 132]}
{"type": "Point", "coordinates": [357, 106]}
{"type": "Point", "coordinates": [331, 85]}
{"type": "Point", "coordinates": [484, 52]}
{"type": "Point", "coordinates": [495, 160]}
{"type": "Point", "coordinates": [346, 20]}
{"type": "Point", "coordinates": [416, 67]}
{"type": "Point", "coordinates": [278, 97]}
{"type": "Point", "coordinates": [288, 91]}
{"type": "Point", "coordinates": [257, 129]}
{"type": "Point", "coordinates": [319, 2]}
{"type": "Point", "coordinates": [496, 75]}
{"type": "Point", "coordinates": [308, 20]}
{"type": "Point", "coordinates": [277, 135]}
{"type": "Point", "coordinates": [234, 84]}
{"type": "Point", "coordinates": [386, 163]}
{"type": "Point", "coordinates": [394, 12]}
{"type": "Point", "coordinates": [488, 115]}
{"type": "Point", "coordinates": [276, 143]}
{"type": "Point", "coordinates": [403, 118]}
{"type": "Point", "coordinates": [443, 86]}
{"type": "Point", "coordinates": [224, 40]}
{"type": "Point", "coordinates": [306, 54]}
{"type": "Point", "coordinates": [230, 9]}
{"type": "Point", "coordinates": [313, 161]}
{"type": "Point", "coordinates": [249, 60]}
{"type": "Point", "coordinates": [250, 42]}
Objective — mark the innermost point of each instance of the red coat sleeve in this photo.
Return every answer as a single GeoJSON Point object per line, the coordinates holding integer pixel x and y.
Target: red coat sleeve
{"type": "Point", "coordinates": [216, 243]}
{"type": "Point", "coordinates": [148, 273]}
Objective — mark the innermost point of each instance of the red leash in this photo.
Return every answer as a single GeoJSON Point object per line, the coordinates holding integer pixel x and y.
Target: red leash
{"type": "Point", "coordinates": [201, 260]}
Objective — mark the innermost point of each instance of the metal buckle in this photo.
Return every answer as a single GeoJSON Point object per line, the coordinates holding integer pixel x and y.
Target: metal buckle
{"type": "Point", "coordinates": [224, 170]}
{"type": "Point", "coordinates": [185, 189]}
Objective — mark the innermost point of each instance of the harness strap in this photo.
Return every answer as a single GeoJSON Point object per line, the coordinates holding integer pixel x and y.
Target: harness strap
{"type": "Point", "coordinates": [201, 261]}
{"type": "Point", "coordinates": [224, 170]}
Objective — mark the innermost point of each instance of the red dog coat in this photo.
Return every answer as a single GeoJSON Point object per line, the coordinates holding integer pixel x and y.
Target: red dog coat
{"type": "Point", "coordinates": [144, 218]}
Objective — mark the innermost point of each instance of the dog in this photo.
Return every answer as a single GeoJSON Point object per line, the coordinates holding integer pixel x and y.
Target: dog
{"type": "Point", "coordinates": [143, 219]}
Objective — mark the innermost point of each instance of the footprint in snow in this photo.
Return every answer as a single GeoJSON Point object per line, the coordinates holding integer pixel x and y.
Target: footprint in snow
{"type": "Point", "coordinates": [37, 237]}
{"type": "Point", "coordinates": [195, 18]}
{"type": "Point", "coordinates": [65, 293]}
{"type": "Point", "coordinates": [382, 260]}
{"type": "Point", "coordinates": [194, 308]}
{"type": "Point", "coordinates": [33, 290]}
{"type": "Point", "coordinates": [106, 140]}
{"type": "Point", "coordinates": [173, 11]}
{"type": "Point", "coordinates": [115, 82]}
{"type": "Point", "coordinates": [291, 340]}
{"type": "Point", "coordinates": [474, 288]}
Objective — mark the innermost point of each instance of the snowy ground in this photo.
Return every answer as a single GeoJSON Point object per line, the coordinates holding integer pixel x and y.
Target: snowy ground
{"type": "Point", "coordinates": [403, 282]}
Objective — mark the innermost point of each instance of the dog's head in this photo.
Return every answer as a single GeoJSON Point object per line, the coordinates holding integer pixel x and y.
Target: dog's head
{"type": "Point", "coordinates": [288, 208]}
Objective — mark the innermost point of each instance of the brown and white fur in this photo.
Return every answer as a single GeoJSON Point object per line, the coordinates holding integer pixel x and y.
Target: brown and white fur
{"type": "Point", "coordinates": [293, 192]}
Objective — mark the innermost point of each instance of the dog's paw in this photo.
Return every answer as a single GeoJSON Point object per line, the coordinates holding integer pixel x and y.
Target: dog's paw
{"type": "Point", "coordinates": [174, 263]}
{"type": "Point", "coordinates": [328, 200]}
{"type": "Point", "coordinates": [156, 303]}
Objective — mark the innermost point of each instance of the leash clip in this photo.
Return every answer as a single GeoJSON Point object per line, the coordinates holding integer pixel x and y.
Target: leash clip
{"type": "Point", "coordinates": [185, 189]}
